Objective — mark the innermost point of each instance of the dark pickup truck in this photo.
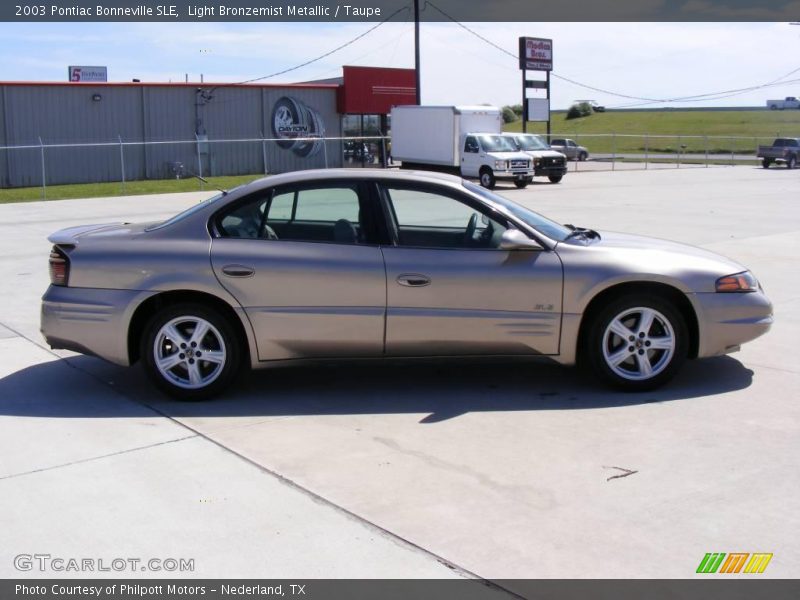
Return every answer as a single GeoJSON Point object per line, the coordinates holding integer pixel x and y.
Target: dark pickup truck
{"type": "Point", "coordinates": [785, 150]}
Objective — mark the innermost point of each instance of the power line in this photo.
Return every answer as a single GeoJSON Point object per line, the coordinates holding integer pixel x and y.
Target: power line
{"type": "Point", "coordinates": [318, 58]}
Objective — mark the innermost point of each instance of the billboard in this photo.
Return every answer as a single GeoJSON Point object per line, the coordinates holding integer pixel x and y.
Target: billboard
{"type": "Point", "coordinates": [535, 54]}
{"type": "Point", "coordinates": [90, 74]}
{"type": "Point", "coordinates": [538, 109]}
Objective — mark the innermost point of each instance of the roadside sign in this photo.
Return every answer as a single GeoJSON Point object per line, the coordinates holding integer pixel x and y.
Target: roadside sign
{"type": "Point", "coordinates": [535, 54]}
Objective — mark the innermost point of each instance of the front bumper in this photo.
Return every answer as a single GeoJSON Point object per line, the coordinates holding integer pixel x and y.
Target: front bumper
{"type": "Point", "coordinates": [551, 170]}
{"type": "Point", "coordinates": [726, 321]}
{"type": "Point", "coordinates": [90, 321]}
{"type": "Point", "coordinates": [518, 174]}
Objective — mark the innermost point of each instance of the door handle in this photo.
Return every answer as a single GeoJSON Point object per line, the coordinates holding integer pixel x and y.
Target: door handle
{"type": "Point", "coordinates": [413, 280]}
{"type": "Point", "coordinates": [238, 271]}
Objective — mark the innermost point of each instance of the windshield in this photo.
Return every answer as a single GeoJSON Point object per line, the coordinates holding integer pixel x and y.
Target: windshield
{"type": "Point", "coordinates": [530, 142]}
{"type": "Point", "coordinates": [496, 143]}
{"type": "Point", "coordinates": [542, 224]}
{"type": "Point", "coordinates": [188, 212]}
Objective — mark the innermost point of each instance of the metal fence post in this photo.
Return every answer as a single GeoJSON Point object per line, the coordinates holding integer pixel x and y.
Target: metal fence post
{"type": "Point", "coordinates": [44, 176]}
{"type": "Point", "coordinates": [122, 162]}
{"type": "Point", "coordinates": [706, 143]}
{"type": "Point", "coordinates": [264, 152]}
{"type": "Point", "coordinates": [199, 160]}
{"type": "Point", "coordinates": [733, 143]}
{"type": "Point", "coordinates": [679, 151]}
{"type": "Point", "coordinates": [646, 150]}
{"type": "Point", "coordinates": [614, 151]}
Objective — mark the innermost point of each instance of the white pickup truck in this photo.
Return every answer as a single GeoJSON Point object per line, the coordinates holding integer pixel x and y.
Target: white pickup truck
{"type": "Point", "coordinates": [459, 139]}
{"type": "Point", "coordinates": [788, 102]}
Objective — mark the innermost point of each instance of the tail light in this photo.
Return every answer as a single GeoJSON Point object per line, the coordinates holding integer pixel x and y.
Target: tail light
{"type": "Point", "coordinates": [59, 267]}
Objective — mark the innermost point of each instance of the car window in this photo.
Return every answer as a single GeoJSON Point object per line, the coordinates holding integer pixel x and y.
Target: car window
{"type": "Point", "coordinates": [429, 219]}
{"type": "Point", "coordinates": [306, 214]}
{"type": "Point", "coordinates": [497, 143]}
{"type": "Point", "coordinates": [470, 144]}
{"type": "Point", "coordinates": [571, 144]}
{"type": "Point", "coordinates": [557, 142]}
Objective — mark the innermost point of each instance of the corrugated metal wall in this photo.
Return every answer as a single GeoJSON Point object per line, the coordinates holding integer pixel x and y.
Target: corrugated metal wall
{"type": "Point", "coordinates": [68, 114]}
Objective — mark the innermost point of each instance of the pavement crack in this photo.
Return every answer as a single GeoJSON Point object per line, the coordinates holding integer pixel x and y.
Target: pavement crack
{"type": "Point", "coordinates": [625, 472]}
{"type": "Point", "coordinates": [94, 458]}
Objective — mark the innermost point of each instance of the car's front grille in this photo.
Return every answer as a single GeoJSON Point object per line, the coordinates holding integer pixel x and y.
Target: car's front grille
{"type": "Point", "coordinates": [553, 162]}
{"type": "Point", "coordinates": [519, 164]}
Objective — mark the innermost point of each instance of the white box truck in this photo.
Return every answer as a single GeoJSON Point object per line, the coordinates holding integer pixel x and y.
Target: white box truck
{"type": "Point", "coordinates": [460, 139]}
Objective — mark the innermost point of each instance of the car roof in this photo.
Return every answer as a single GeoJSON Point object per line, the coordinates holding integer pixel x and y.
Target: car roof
{"type": "Point", "coordinates": [358, 173]}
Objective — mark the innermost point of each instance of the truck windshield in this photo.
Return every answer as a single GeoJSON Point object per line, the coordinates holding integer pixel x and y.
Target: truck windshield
{"type": "Point", "coordinates": [496, 143]}
{"type": "Point", "coordinates": [530, 142]}
{"type": "Point", "coordinates": [542, 224]}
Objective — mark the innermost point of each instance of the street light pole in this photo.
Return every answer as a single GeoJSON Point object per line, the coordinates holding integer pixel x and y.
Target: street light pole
{"type": "Point", "coordinates": [416, 51]}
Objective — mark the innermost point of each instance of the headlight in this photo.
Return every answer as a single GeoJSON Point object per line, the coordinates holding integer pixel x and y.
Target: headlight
{"type": "Point", "coordinates": [738, 282]}
{"type": "Point", "coordinates": [536, 162]}
{"type": "Point", "coordinates": [500, 164]}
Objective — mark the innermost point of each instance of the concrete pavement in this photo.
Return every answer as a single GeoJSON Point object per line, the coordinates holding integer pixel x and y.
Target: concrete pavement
{"type": "Point", "coordinates": [500, 470]}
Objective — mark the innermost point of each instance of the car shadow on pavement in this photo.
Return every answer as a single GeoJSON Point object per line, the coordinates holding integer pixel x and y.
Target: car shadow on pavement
{"type": "Point", "coordinates": [85, 387]}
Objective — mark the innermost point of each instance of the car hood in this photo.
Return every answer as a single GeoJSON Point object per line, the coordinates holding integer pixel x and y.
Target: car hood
{"type": "Point", "coordinates": [623, 256]}
{"type": "Point", "coordinates": [72, 235]}
{"type": "Point", "coordinates": [544, 153]}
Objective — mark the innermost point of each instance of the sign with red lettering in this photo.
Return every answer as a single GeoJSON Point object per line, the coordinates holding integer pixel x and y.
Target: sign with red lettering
{"type": "Point", "coordinates": [535, 54]}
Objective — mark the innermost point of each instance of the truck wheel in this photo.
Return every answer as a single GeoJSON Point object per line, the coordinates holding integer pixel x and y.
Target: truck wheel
{"type": "Point", "coordinates": [766, 163]}
{"type": "Point", "coordinates": [522, 183]}
{"type": "Point", "coordinates": [582, 156]}
{"type": "Point", "coordinates": [791, 162]}
{"type": "Point", "coordinates": [555, 178]}
{"type": "Point", "coordinates": [487, 178]}
{"type": "Point", "coordinates": [773, 107]}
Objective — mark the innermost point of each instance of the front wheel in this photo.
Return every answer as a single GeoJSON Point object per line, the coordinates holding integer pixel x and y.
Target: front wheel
{"type": "Point", "coordinates": [582, 156]}
{"type": "Point", "coordinates": [487, 178]}
{"type": "Point", "coordinates": [766, 163]}
{"type": "Point", "coordinates": [555, 178]}
{"type": "Point", "coordinates": [636, 343]}
{"type": "Point", "coordinates": [190, 351]}
{"type": "Point", "coordinates": [522, 183]}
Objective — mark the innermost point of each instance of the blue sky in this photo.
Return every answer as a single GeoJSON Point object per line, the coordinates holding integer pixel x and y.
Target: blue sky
{"type": "Point", "coordinates": [650, 60]}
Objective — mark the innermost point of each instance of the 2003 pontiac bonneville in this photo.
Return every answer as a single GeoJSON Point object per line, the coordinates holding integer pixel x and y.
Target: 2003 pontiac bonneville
{"type": "Point", "coordinates": [364, 264]}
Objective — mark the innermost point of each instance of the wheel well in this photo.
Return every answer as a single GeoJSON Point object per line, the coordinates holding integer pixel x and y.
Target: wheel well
{"type": "Point", "coordinates": [663, 290]}
{"type": "Point", "coordinates": [145, 311]}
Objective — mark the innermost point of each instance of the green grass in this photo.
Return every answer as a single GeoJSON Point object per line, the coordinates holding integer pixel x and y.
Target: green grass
{"type": "Point", "coordinates": [664, 128]}
{"type": "Point", "coordinates": [132, 188]}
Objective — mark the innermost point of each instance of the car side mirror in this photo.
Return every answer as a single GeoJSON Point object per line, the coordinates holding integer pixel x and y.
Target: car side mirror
{"type": "Point", "coordinates": [514, 239]}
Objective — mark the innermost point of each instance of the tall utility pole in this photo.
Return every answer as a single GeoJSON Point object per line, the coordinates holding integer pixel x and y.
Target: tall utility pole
{"type": "Point", "coordinates": [416, 49]}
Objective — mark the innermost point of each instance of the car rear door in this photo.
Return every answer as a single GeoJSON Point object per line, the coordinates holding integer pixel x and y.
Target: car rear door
{"type": "Point", "coordinates": [303, 263]}
{"type": "Point", "coordinates": [452, 291]}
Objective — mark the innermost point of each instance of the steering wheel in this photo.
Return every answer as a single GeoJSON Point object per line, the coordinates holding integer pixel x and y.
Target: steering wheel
{"type": "Point", "coordinates": [472, 225]}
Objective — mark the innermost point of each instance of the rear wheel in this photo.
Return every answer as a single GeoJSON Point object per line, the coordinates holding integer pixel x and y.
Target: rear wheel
{"type": "Point", "coordinates": [583, 156]}
{"type": "Point", "coordinates": [636, 343]}
{"type": "Point", "coordinates": [487, 178]}
{"type": "Point", "coordinates": [555, 178]}
{"type": "Point", "coordinates": [190, 351]}
{"type": "Point", "coordinates": [791, 162]}
{"type": "Point", "coordinates": [766, 163]}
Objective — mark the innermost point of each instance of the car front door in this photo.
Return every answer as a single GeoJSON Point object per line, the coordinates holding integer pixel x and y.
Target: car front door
{"type": "Point", "coordinates": [303, 262]}
{"type": "Point", "coordinates": [471, 157]}
{"type": "Point", "coordinates": [452, 291]}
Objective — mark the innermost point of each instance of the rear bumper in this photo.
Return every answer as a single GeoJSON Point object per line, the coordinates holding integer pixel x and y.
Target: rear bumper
{"type": "Point", "coordinates": [90, 321]}
{"type": "Point", "coordinates": [725, 321]}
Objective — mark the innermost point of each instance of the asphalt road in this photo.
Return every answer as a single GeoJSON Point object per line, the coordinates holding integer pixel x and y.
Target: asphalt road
{"type": "Point", "coordinates": [394, 470]}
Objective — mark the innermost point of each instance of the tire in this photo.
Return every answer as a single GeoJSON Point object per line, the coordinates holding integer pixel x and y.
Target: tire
{"type": "Point", "coordinates": [605, 345]}
{"type": "Point", "coordinates": [521, 183]}
{"type": "Point", "coordinates": [583, 156]}
{"type": "Point", "coordinates": [766, 163]}
{"type": "Point", "coordinates": [212, 376]}
{"type": "Point", "coordinates": [555, 178]}
{"type": "Point", "coordinates": [773, 107]}
{"type": "Point", "coordinates": [791, 162]}
{"type": "Point", "coordinates": [487, 178]}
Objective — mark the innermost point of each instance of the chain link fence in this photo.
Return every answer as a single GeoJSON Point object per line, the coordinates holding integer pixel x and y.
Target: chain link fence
{"type": "Point", "coordinates": [120, 164]}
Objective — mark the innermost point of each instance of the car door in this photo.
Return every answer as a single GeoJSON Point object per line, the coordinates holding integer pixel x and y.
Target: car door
{"type": "Point", "coordinates": [471, 158]}
{"type": "Point", "coordinates": [452, 291]}
{"type": "Point", "coordinates": [303, 262]}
